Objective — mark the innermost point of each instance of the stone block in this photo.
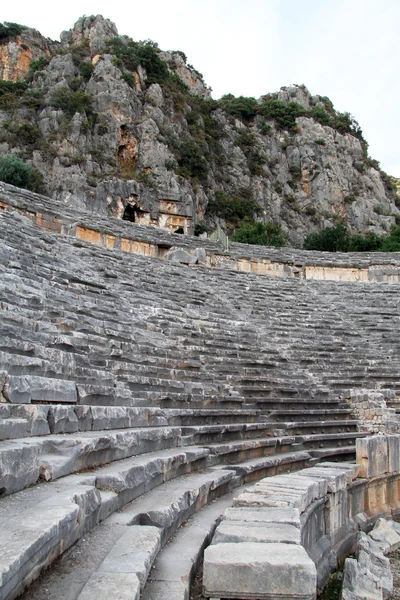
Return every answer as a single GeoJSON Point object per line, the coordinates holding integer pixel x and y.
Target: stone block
{"type": "Point", "coordinates": [359, 583]}
{"type": "Point", "coordinates": [104, 586]}
{"type": "Point", "coordinates": [291, 516]}
{"type": "Point", "coordinates": [393, 442]}
{"type": "Point", "coordinates": [178, 255]}
{"type": "Point", "coordinates": [37, 416]}
{"type": "Point", "coordinates": [245, 531]}
{"type": "Point", "coordinates": [385, 535]}
{"type": "Point", "coordinates": [134, 552]}
{"type": "Point", "coordinates": [262, 571]}
{"type": "Point", "coordinates": [372, 455]}
{"type": "Point", "coordinates": [370, 556]}
{"type": "Point", "coordinates": [62, 419]}
{"type": "Point", "coordinates": [24, 389]}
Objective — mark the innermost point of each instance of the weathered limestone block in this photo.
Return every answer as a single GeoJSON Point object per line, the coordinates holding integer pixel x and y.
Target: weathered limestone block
{"type": "Point", "coordinates": [62, 419]}
{"type": "Point", "coordinates": [336, 514]}
{"type": "Point", "coordinates": [54, 524]}
{"type": "Point", "coordinates": [180, 256]}
{"type": "Point", "coordinates": [103, 586]}
{"type": "Point", "coordinates": [351, 471]}
{"type": "Point", "coordinates": [385, 535]}
{"type": "Point", "coordinates": [37, 417]}
{"type": "Point", "coordinates": [262, 571]}
{"type": "Point", "coordinates": [95, 394]}
{"type": "Point", "coordinates": [290, 516]}
{"type": "Point", "coordinates": [331, 479]}
{"type": "Point", "coordinates": [359, 583]}
{"type": "Point", "coordinates": [370, 556]}
{"type": "Point", "coordinates": [372, 455]}
{"type": "Point", "coordinates": [19, 467]}
{"type": "Point", "coordinates": [12, 428]}
{"type": "Point", "coordinates": [134, 552]}
{"type": "Point", "coordinates": [245, 531]}
{"type": "Point", "coordinates": [393, 442]}
{"type": "Point", "coordinates": [25, 388]}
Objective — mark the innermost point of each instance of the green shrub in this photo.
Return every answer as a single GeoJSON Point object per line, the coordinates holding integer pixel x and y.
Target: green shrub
{"type": "Point", "coordinates": [364, 243]}
{"type": "Point", "coordinates": [26, 133]}
{"type": "Point", "coordinates": [330, 239]}
{"type": "Point", "coordinates": [33, 98]}
{"type": "Point", "coordinates": [86, 69]}
{"type": "Point", "coordinates": [295, 172]}
{"type": "Point", "coordinates": [283, 114]}
{"type": "Point", "coordinates": [265, 129]}
{"type": "Point", "coordinates": [241, 107]}
{"type": "Point", "coordinates": [36, 66]}
{"type": "Point", "coordinates": [13, 170]}
{"type": "Point", "coordinates": [391, 243]}
{"type": "Point", "coordinates": [333, 239]}
{"type": "Point", "coordinates": [132, 54]}
{"type": "Point", "coordinates": [192, 160]}
{"type": "Point", "coordinates": [72, 102]}
{"type": "Point", "coordinates": [262, 234]}
{"type": "Point", "coordinates": [10, 92]}
{"type": "Point", "coordinates": [233, 209]}
{"type": "Point", "coordinates": [130, 79]}
{"type": "Point", "coordinates": [9, 30]}
{"type": "Point", "coordinates": [200, 228]}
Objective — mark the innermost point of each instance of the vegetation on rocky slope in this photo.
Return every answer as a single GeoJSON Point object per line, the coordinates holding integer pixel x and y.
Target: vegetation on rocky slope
{"type": "Point", "coordinates": [103, 111]}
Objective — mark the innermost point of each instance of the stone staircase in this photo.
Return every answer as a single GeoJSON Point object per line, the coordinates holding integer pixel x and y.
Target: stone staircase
{"type": "Point", "coordinates": [136, 392]}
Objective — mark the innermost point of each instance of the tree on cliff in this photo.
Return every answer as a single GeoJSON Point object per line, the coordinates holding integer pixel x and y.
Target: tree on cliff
{"type": "Point", "coordinates": [13, 170]}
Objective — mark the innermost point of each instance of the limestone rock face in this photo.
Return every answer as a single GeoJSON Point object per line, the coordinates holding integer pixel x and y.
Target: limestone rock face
{"type": "Point", "coordinates": [93, 29]}
{"type": "Point", "coordinates": [17, 53]}
{"type": "Point", "coordinates": [121, 128]}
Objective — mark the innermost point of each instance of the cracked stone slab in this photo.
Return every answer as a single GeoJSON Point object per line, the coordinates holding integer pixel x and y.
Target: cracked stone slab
{"type": "Point", "coordinates": [289, 516]}
{"type": "Point", "coordinates": [245, 531]}
{"type": "Point", "coordinates": [24, 389]}
{"type": "Point", "coordinates": [259, 571]}
{"type": "Point", "coordinates": [105, 586]}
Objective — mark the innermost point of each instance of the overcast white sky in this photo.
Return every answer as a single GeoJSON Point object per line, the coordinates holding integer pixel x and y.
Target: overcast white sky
{"type": "Point", "coordinates": [347, 50]}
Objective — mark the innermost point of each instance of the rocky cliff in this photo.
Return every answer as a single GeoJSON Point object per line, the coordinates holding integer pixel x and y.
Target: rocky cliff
{"type": "Point", "coordinates": [118, 127]}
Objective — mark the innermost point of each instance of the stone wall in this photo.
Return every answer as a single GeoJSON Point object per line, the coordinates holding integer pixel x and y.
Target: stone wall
{"type": "Point", "coordinates": [372, 411]}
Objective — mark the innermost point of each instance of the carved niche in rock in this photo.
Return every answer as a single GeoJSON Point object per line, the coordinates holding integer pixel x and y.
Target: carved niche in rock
{"type": "Point", "coordinates": [128, 149]}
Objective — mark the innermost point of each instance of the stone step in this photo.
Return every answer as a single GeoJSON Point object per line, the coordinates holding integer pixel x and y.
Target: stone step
{"type": "Point", "coordinates": [327, 439]}
{"type": "Point", "coordinates": [51, 526]}
{"type": "Point", "coordinates": [291, 415]}
{"type": "Point", "coordinates": [25, 462]}
{"type": "Point", "coordinates": [93, 573]}
{"type": "Point", "coordinates": [12, 428]}
{"type": "Point", "coordinates": [226, 433]}
{"type": "Point", "coordinates": [178, 562]}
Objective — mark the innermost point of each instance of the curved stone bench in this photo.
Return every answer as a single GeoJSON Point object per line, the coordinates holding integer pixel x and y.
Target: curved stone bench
{"type": "Point", "coordinates": [322, 508]}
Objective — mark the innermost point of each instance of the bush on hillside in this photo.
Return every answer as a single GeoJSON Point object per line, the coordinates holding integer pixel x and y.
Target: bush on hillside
{"type": "Point", "coordinates": [329, 239]}
{"type": "Point", "coordinates": [338, 239]}
{"type": "Point", "coordinates": [9, 30]}
{"type": "Point", "coordinates": [233, 209]}
{"type": "Point", "coordinates": [72, 102]}
{"type": "Point", "coordinates": [262, 234]}
{"type": "Point", "coordinates": [13, 170]}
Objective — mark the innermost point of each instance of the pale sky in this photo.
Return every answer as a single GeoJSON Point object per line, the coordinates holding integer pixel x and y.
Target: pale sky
{"type": "Point", "coordinates": [347, 50]}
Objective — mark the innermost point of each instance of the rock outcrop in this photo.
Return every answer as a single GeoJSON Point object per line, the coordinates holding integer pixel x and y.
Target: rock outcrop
{"type": "Point", "coordinates": [120, 128]}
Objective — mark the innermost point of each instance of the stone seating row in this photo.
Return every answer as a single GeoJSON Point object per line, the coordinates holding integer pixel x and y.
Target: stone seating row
{"type": "Point", "coordinates": [67, 508]}
{"type": "Point", "coordinates": [27, 460]}
{"type": "Point", "coordinates": [321, 508]}
{"type": "Point", "coordinates": [55, 216]}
